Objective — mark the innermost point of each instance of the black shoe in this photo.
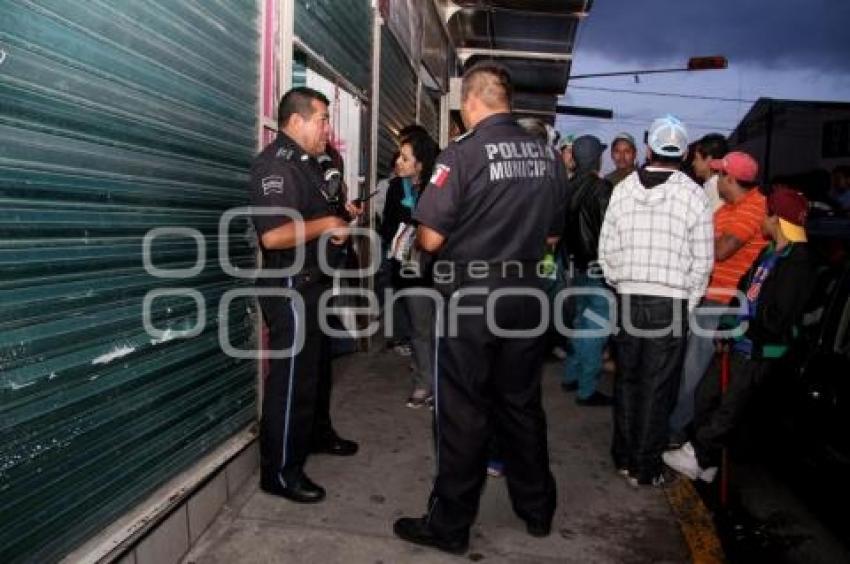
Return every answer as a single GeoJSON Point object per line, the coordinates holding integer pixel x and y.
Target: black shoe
{"type": "Point", "coordinates": [596, 399]}
{"type": "Point", "coordinates": [335, 445]}
{"type": "Point", "coordinates": [676, 440]}
{"type": "Point", "coordinates": [538, 529]}
{"type": "Point", "coordinates": [298, 488]}
{"type": "Point", "coordinates": [416, 530]}
{"type": "Point", "coordinates": [571, 387]}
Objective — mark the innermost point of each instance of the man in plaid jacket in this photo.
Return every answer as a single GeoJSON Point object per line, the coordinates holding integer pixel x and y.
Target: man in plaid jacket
{"type": "Point", "coordinates": [656, 250]}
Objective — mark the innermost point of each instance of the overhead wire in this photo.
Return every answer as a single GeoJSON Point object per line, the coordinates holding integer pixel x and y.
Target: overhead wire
{"type": "Point", "coordinates": [645, 123]}
{"type": "Point", "coordinates": [655, 93]}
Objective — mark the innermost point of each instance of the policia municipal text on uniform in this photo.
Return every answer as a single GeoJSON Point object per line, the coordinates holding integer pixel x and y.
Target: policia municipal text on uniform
{"type": "Point", "coordinates": [296, 394]}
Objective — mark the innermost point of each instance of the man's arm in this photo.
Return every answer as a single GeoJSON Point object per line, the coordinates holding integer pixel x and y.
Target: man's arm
{"type": "Point", "coordinates": [725, 246]}
{"type": "Point", "coordinates": [608, 251]}
{"type": "Point", "coordinates": [287, 236]}
{"type": "Point", "coordinates": [734, 235]}
{"type": "Point", "coordinates": [428, 239]}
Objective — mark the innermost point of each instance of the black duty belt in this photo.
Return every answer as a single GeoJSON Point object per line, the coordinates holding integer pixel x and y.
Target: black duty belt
{"type": "Point", "coordinates": [309, 276]}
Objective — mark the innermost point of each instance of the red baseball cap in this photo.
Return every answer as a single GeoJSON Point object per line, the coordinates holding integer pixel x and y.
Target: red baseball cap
{"type": "Point", "coordinates": [792, 209]}
{"type": "Point", "coordinates": [740, 166]}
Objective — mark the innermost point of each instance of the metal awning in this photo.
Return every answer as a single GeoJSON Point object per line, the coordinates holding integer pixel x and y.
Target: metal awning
{"type": "Point", "coordinates": [534, 39]}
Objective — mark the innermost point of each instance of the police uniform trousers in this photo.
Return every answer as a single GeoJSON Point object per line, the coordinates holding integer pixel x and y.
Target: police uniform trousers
{"type": "Point", "coordinates": [297, 389]}
{"type": "Point", "coordinates": [489, 386]}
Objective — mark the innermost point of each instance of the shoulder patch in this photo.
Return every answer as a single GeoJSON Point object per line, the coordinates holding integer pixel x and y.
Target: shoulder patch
{"type": "Point", "coordinates": [441, 174]}
{"type": "Point", "coordinates": [463, 136]}
{"type": "Point", "coordinates": [272, 185]}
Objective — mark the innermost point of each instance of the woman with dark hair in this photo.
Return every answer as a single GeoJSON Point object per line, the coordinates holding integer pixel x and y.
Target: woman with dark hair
{"type": "Point", "coordinates": [415, 164]}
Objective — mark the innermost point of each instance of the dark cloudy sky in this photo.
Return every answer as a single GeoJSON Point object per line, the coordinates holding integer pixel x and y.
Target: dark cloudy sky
{"type": "Point", "coordinates": [797, 49]}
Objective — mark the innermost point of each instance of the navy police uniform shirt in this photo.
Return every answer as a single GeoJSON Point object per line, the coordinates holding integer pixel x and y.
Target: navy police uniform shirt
{"type": "Point", "coordinates": [284, 175]}
{"type": "Point", "coordinates": [495, 195]}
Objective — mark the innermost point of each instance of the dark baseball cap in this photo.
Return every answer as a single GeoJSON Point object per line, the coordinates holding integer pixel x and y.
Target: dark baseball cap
{"type": "Point", "coordinates": [587, 149]}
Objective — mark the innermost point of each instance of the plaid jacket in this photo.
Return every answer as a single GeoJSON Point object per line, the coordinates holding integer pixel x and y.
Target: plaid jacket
{"type": "Point", "coordinates": [658, 241]}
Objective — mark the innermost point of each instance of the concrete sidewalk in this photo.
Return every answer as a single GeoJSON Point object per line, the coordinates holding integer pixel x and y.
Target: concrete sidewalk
{"type": "Point", "coordinates": [600, 518]}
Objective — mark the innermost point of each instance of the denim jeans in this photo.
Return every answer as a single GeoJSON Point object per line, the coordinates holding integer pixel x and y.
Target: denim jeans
{"type": "Point", "coordinates": [584, 360]}
{"type": "Point", "coordinates": [698, 355]}
{"type": "Point", "coordinates": [717, 414]}
{"type": "Point", "coordinates": [421, 312]}
{"type": "Point", "coordinates": [649, 350]}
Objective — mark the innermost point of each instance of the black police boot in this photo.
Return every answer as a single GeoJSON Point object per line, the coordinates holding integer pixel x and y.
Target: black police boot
{"type": "Point", "coordinates": [295, 486]}
{"type": "Point", "coordinates": [538, 528]}
{"type": "Point", "coordinates": [331, 443]}
{"type": "Point", "coordinates": [416, 530]}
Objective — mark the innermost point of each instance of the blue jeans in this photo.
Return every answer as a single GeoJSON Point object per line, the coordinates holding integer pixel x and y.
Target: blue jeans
{"type": "Point", "coordinates": [649, 362]}
{"type": "Point", "coordinates": [420, 312]}
{"type": "Point", "coordinates": [584, 360]}
{"type": "Point", "coordinates": [698, 355]}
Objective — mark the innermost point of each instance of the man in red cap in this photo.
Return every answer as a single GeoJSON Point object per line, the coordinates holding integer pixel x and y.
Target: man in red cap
{"type": "Point", "coordinates": [738, 240]}
{"type": "Point", "coordinates": [774, 291]}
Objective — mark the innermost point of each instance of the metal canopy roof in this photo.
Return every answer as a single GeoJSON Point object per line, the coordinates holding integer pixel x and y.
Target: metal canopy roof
{"type": "Point", "coordinates": [534, 39]}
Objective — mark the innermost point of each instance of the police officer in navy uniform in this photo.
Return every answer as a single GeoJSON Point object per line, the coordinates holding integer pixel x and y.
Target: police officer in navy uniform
{"type": "Point", "coordinates": [495, 200]}
{"type": "Point", "coordinates": [296, 396]}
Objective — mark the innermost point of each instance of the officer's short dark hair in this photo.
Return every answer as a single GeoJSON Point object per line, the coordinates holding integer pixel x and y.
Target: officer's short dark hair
{"type": "Point", "coordinates": [534, 127]}
{"type": "Point", "coordinates": [298, 101]}
{"type": "Point", "coordinates": [489, 81]}
{"type": "Point", "coordinates": [712, 146]}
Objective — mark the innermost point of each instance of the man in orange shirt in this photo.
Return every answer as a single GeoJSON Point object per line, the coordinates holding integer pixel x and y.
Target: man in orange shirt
{"type": "Point", "coordinates": [738, 240]}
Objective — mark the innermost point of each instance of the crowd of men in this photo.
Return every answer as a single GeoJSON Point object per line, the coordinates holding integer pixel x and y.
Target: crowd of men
{"type": "Point", "coordinates": [647, 246]}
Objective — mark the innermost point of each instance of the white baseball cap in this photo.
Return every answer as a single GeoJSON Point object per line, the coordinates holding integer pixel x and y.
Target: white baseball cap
{"type": "Point", "coordinates": [668, 137]}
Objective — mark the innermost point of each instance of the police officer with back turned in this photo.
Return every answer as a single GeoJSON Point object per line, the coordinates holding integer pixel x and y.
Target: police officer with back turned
{"type": "Point", "coordinates": [296, 396]}
{"type": "Point", "coordinates": [494, 201]}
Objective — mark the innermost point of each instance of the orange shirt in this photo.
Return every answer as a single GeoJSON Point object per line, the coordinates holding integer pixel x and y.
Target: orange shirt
{"type": "Point", "coordinates": [743, 221]}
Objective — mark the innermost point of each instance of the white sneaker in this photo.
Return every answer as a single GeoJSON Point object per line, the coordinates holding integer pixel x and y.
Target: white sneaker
{"type": "Point", "coordinates": [403, 350]}
{"type": "Point", "coordinates": [684, 461]}
{"type": "Point", "coordinates": [708, 474]}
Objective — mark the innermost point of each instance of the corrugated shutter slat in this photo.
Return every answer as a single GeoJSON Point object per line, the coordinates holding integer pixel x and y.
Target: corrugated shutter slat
{"type": "Point", "coordinates": [116, 118]}
{"type": "Point", "coordinates": [340, 32]}
{"type": "Point", "coordinates": [397, 107]}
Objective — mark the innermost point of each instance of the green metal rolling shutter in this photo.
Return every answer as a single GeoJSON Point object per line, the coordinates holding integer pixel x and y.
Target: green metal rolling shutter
{"type": "Point", "coordinates": [299, 70]}
{"type": "Point", "coordinates": [115, 118]}
{"type": "Point", "coordinates": [429, 114]}
{"type": "Point", "coordinates": [340, 31]}
{"type": "Point", "coordinates": [397, 105]}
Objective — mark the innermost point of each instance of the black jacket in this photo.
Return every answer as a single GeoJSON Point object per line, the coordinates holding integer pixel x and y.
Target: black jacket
{"type": "Point", "coordinates": [782, 298]}
{"type": "Point", "coordinates": [394, 211]}
{"type": "Point", "coordinates": [588, 199]}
